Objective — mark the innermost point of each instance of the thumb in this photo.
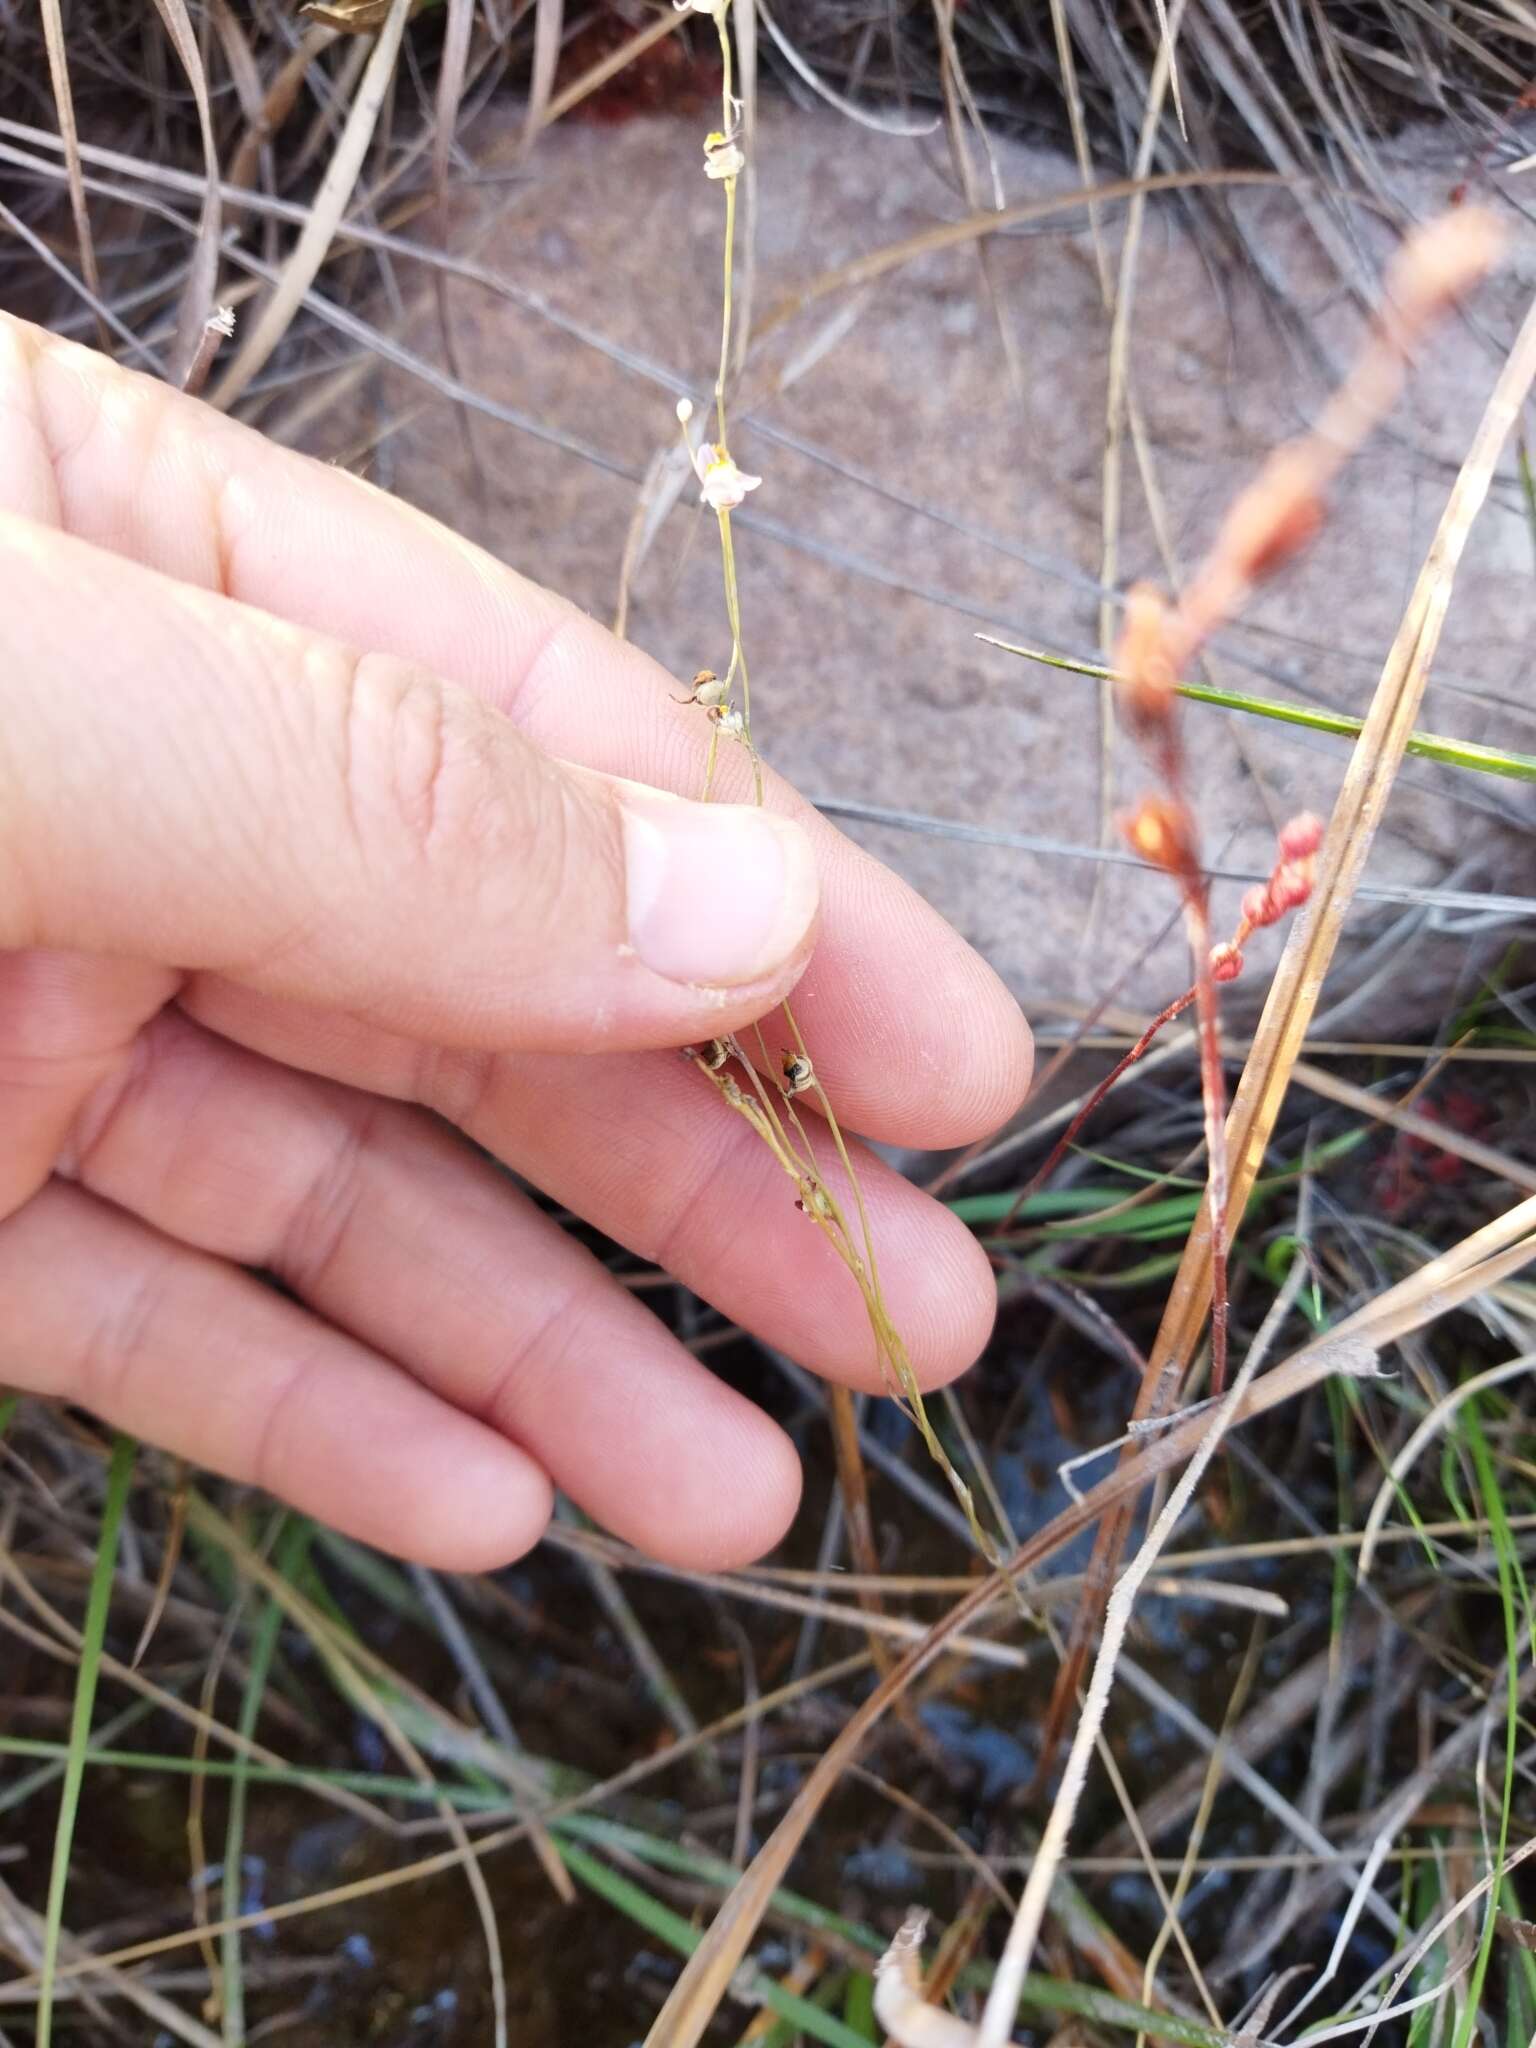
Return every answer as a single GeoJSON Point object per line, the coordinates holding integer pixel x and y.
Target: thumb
{"type": "Point", "coordinates": [186, 780]}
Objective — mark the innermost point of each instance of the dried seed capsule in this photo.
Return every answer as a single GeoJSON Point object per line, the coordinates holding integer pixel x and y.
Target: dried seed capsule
{"type": "Point", "coordinates": [706, 689]}
{"type": "Point", "coordinates": [798, 1073]}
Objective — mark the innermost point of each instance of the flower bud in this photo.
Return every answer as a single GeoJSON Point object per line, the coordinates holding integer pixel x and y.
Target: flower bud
{"type": "Point", "coordinates": [1159, 832]}
{"type": "Point", "coordinates": [1290, 886]}
{"type": "Point", "coordinates": [1226, 961]}
{"type": "Point", "coordinates": [1143, 659]}
{"type": "Point", "coordinates": [1275, 517]}
{"type": "Point", "coordinates": [1301, 836]}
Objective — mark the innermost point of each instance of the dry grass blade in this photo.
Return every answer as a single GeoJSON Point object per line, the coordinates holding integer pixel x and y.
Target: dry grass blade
{"type": "Point", "coordinates": [239, 59]}
{"type": "Point", "coordinates": [1487, 1158]}
{"type": "Point", "coordinates": [1437, 1419]}
{"type": "Point", "coordinates": [62, 1642]}
{"type": "Point", "coordinates": [744, 22]}
{"type": "Point", "coordinates": [450, 85]}
{"type": "Point", "coordinates": [853, 1485]}
{"type": "Point", "coordinates": [1119, 410]}
{"type": "Point", "coordinates": [107, 321]}
{"type": "Point", "coordinates": [278, 103]}
{"type": "Point", "coordinates": [344, 1661]}
{"type": "Point", "coordinates": [175, 1530]}
{"type": "Point", "coordinates": [336, 189]}
{"type": "Point", "coordinates": [548, 25]}
{"type": "Point", "coordinates": [1424, 1295]}
{"type": "Point", "coordinates": [666, 474]}
{"type": "Point", "coordinates": [955, 234]}
{"type": "Point", "coordinates": [883, 124]}
{"type": "Point", "coordinates": [21, 1930]}
{"type": "Point", "coordinates": [597, 75]}
{"type": "Point", "coordinates": [64, 103]}
{"type": "Point", "coordinates": [447, 1860]}
{"type": "Point", "coordinates": [200, 293]}
{"type": "Point", "coordinates": [364, 1665]}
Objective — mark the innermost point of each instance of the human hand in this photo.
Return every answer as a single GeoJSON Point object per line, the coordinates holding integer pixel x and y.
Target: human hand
{"type": "Point", "coordinates": [298, 873]}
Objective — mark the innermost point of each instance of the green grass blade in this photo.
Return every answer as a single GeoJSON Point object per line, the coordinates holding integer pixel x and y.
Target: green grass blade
{"type": "Point", "coordinates": [291, 1550]}
{"type": "Point", "coordinates": [679, 1934]}
{"type": "Point", "coordinates": [119, 1478]}
{"type": "Point", "coordinates": [1507, 1561]}
{"type": "Point", "coordinates": [1041, 1994]}
{"type": "Point", "coordinates": [297, 1777]}
{"type": "Point", "coordinates": [1427, 745]}
{"type": "Point", "coordinates": [23, 1788]}
{"type": "Point", "coordinates": [9, 1403]}
{"type": "Point", "coordinates": [859, 2004]}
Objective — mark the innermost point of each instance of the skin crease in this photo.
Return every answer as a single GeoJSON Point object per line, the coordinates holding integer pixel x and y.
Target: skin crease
{"type": "Point", "coordinates": [260, 981]}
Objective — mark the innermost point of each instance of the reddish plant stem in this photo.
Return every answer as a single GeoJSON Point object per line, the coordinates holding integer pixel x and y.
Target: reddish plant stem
{"type": "Point", "coordinates": [1064, 1143]}
{"type": "Point", "coordinates": [1213, 1097]}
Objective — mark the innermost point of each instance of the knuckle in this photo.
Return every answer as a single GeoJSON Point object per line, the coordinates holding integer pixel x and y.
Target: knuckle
{"type": "Point", "coordinates": [323, 1217]}
{"type": "Point", "coordinates": [418, 765]}
{"type": "Point", "coordinates": [534, 1360]}
{"type": "Point", "coordinates": [123, 1338]}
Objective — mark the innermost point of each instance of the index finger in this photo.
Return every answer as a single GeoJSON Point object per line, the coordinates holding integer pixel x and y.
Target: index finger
{"type": "Point", "coordinates": [916, 1040]}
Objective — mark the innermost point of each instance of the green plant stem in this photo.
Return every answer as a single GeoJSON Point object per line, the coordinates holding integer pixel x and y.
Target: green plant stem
{"type": "Point", "coordinates": [93, 1637]}
{"type": "Point", "coordinates": [1507, 1561]}
{"type": "Point", "coordinates": [291, 1550]}
{"type": "Point", "coordinates": [1429, 746]}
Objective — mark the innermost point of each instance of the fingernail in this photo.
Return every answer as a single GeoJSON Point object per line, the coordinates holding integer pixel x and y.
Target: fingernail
{"type": "Point", "coordinates": [718, 894]}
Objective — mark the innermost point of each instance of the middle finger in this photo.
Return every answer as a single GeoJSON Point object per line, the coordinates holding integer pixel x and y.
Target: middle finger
{"type": "Point", "coordinates": [642, 1147]}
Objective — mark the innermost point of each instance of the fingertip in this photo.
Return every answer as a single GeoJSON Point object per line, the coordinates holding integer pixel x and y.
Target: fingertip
{"type": "Point", "coordinates": [720, 1486]}
{"type": "Point", "coordinates": [955, 1311]}
{"type": "Point", "coordinates": [482, 1506]}
{"type": "Point", "coordinates": [753, 1497]}
{"type": "Point", "coordinates": [988, 1039]}
{"type": "Point", "coordinates": [939, 1291]}
{"type": "Point", "coordinates": [919, 1042]}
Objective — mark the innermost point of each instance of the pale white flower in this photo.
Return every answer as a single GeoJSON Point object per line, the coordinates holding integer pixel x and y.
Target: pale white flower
{"type": "Point", "coordinates": [713, 8]}
{"type": "Point", "coordinates": [732, 724]}
{"type": "Point", "coordinates": [722, 485]}
{"type": "Point", "coordinates": [723, 156]}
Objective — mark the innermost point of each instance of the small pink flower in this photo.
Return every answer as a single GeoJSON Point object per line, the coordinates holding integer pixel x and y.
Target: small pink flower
{"type": "Point", "coordinates": [722, 485]}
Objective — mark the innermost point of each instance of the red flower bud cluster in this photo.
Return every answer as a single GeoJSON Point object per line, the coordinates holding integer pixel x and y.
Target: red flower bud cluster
{"type": "Point", "coordinates": [1288, 887]}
